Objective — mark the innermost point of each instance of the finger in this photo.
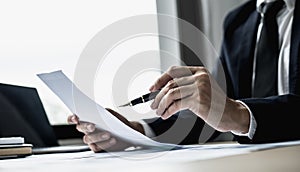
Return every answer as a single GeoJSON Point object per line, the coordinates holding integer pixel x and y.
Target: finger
{"type": "Point", "coordinates": [86, 127]}
{"type": "Point", "coordinates": [174, 95]}
{"type": "Point", "coordinates": [97, 147]}
{"type": "Point", "coordinates": [159, 96]}
{"type": "Point", "coordinates": [171, 73]}
{"type": "Point", "coordinates": [73, 119]}
{"type": "Point", "coordinates": [177, 106]}
{"type": "Point", "coordinates": [171, 84]}
{"type": "Point", "coordinates": [184, 80]}
{"type": "Point", "coordinates": [96, 137]}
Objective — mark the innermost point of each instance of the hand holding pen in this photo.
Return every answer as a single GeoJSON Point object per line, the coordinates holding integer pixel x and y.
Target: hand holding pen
{"type": "Point", "coordinates": [142, 99]}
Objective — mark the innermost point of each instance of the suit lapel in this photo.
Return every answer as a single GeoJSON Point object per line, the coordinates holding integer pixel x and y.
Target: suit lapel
{"type": "Point", "coordinates": [294, 53]}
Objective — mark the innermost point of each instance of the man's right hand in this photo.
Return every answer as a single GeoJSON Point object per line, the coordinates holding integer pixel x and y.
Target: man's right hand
{"type": "Point", "coordinates": [99, 140]}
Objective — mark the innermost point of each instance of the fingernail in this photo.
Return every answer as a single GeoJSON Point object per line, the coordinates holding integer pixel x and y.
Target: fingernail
{"type": "Point", "coordinates": [152, 105]}
{"type": "Point", "coordinates": [90, 127]}
{"type": "Point", "coordinates": [105, 136]}
{"type": "Point", "coordinates": [112, 141]}
{"type": "Point", "coordinates": [87, 139]}
{"type": "Point", "coordinates": [157, 113]}
{"type": "Point", "coordinates": [73, 119]}
{"type": "Point", "coordinates": [151, 88]}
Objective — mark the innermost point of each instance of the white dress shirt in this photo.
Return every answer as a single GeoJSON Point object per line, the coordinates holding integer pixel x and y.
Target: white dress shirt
{"type": "Point", "coordinates": [285, 20]}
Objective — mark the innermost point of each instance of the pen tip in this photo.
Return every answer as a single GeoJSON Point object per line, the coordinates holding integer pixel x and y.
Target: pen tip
{"type": "Point", "coordinates": [127, 104]}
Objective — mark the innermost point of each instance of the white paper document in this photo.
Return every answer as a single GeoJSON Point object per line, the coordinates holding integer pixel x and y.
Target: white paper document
{"type": "Point", "coordinates": [88, 110]}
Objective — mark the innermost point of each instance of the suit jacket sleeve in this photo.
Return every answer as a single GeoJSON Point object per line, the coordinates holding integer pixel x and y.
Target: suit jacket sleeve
{"type": "Point", "coordinates": [182, 128]}
{"type": "Point", "coordinates": [276, 117]}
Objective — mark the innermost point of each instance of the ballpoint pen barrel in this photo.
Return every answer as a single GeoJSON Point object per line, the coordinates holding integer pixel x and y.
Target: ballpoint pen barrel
{"type": "Point", "coordinates": [150, 96]}
{"type": "Point", "coordinates": [142, 99]}
{"type": "Point", "coordinates": [136, 101]}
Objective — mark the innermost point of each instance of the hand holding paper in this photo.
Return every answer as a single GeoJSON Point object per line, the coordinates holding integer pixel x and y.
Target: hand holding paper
{"type": "Point", "coordinates": [99, 140]}
{"type": "Point", "coordinates": [89, 111]}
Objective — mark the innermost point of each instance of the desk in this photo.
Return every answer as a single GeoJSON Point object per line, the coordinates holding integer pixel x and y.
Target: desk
{"type": "Point", "coordinates": [285, 159]}
{"type": "Point", "coordinates": [275, 160]}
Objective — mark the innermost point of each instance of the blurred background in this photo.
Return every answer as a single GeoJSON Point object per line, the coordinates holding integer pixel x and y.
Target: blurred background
{"type": "Point", "coordinates": [43, 36]}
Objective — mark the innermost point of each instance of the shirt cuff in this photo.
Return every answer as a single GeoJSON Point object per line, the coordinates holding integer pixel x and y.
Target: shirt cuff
{"type": "Point", "coordinates": [147, 129]}
{"type": "Point", "coordinates": [252, 126]}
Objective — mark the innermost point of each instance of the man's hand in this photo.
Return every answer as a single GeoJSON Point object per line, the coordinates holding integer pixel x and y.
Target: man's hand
{"type": "Point", "coordinates": [99, 140]}
{"type": "Point", "coordinates": [195, 89]}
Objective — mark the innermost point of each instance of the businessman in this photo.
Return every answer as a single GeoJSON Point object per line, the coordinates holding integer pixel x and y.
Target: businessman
{"type": "Point", "coordinates": [261, 60]}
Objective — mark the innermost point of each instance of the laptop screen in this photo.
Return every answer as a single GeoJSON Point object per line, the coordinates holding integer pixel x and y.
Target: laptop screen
{"type": "Point", "coordinates": [22, 114]}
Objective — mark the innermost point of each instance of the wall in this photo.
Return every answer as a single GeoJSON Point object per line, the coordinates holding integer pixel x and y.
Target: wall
{"type": "Point", "coordinates": [42, 36]}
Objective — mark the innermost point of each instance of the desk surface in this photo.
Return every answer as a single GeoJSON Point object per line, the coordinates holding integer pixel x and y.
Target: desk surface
{"type": "Point", "coordinates": [273, 160]}
{"type": "Point", "coordinates": [280, 159]}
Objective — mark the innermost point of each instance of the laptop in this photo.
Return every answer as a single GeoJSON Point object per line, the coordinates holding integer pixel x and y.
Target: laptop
{"type": "Point", "coordinates": [22, 114]}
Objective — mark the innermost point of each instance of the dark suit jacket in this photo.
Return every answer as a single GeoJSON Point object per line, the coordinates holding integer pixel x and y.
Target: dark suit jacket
{"type": "Point", "coordinates": [277, 116]}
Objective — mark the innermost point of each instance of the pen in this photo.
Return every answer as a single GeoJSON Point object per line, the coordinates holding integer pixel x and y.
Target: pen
{"type": "Point", "coordinates": [142, 99]}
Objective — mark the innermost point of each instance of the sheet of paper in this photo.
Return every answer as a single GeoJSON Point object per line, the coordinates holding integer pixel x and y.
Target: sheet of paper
{"type": "Point", "coordinates": [237, 146]}
{"type": "Point", "coordinates": [89, 111]}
